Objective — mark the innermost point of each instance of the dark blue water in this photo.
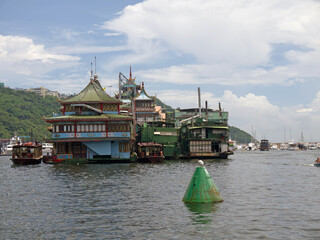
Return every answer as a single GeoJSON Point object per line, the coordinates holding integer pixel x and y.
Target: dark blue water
{"type": "Point", "coordinates": [267, 195]}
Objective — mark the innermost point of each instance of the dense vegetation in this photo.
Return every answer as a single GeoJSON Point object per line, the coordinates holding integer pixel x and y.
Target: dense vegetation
{"type": "Point", "coordinates": [240, 136]}
{"type": "Point", "coordinates": [22, 113]}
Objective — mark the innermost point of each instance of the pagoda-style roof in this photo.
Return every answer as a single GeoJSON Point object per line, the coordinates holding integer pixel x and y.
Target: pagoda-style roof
{"type": "Point", "coordinates": [131, 82]}
{"type": "Point", "coordinates": [131, 85]}
{"type": "Point", "coordinates": [92, 93]}
{"type": "Point", "coordinates": [143, 95]}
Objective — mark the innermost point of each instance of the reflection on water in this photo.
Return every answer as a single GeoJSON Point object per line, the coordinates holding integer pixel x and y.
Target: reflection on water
{"type": "Point", "coordinates": [201, 208]}
{"type": "Point", "coordinates": [267, 195]}
{"type": "Point", "coordinates": [202, 212]}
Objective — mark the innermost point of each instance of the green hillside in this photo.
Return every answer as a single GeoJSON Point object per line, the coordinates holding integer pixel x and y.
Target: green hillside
{"type": "Point", "coordinates": [239, 135]}
{"type": "Point", "coordinates": [22, 113]}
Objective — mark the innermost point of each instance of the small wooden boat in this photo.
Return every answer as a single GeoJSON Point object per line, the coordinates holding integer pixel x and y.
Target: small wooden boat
{"type": "Point", "coordinates": [150, 152]}
{"type": "Point", "coordinates": [317, 163]}
{"type": "Point", "coordinates": [50, 158]}
{"type": "Point", "coordinates": [27, 153]}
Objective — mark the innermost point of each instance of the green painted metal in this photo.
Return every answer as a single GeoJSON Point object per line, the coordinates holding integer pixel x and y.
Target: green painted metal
{"type": "Point", "coordinates": [202, 188]}
{"type": "Point", "coordinates": [166, 135]}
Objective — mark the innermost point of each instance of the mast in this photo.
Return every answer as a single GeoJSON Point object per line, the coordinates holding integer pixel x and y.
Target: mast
{"type": "Point", "coordinates": [207, 110]}
{"type": "Point", "coordinates": [199, 100]}
{"type": "Point", "coordinates": [119, 85]}
{"type": "Point", "coordinates": [130, 73]}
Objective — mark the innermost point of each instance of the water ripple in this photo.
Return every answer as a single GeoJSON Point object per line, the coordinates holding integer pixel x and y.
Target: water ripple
{"type": "Point", "coordinates": [267, 195]}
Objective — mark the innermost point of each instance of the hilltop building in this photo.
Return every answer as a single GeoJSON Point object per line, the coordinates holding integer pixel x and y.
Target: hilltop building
{"type": "Point", "coordinates": [90, 128]}
{"type": "Point", "coordinates": [43, 92]}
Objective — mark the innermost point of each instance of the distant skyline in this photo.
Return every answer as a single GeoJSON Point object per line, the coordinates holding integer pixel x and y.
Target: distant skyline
{"type": "Point", "coordinates": [259, 59]}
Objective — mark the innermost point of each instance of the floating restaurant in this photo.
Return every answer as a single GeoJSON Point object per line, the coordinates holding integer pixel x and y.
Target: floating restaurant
{"type": "Point", "coordinates": [94, 127]}
{"type": "Point", "coordinates": [90, 128]}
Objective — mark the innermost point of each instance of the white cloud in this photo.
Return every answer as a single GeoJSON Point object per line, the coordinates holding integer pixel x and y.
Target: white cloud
{"type": "Point", "coordinates": [221, 74]}
{"type": "Point", "coordinates": [252, 111]}
{"type": "Point", "coordinates": [87, 49]}
{"type": "Point", "coordinates": [185, 98]}
{"type": "Point", "coordinates": [235, 35]}
{"type": "Point", "coordinates": [21, 55]}
{"type": "Point", "coordinates": [113, 34]}
{"type": "Point", "coordinates": [304, 110]}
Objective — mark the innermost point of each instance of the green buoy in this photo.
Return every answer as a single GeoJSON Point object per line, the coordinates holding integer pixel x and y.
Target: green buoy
{"type": "Point", "coordinates": [201, 188]}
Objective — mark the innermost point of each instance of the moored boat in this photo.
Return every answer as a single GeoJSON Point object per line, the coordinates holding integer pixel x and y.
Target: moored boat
{"type": "Point", "coordinates": [150, 152]}
{"type": "Point", "coordinates": [264, 145]}
{"type": "Point", "coordinates": [7, 150]}
{"type": "Point", "coordinates": [292, 145]}
{"type": "Point", "coordinates": [47, 148]}
{"type": "Point", "coordinates": [50, 158]}
{"type": "Point", "coordinates": [27, 153]}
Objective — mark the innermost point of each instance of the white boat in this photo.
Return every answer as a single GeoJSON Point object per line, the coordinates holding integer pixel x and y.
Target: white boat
{"type": "Point", "coordinates": [47, 148]}
{"type": "Point", "coordinates": [312, 146]}
{"type": "Point", "coordinates": [283, 146]}
{"type": "Point", "coordinates": [251, 147]}
{"type": "Point", "coordinates": [13, 141]}
{"type": "Point", "coordinates": [292, 145]}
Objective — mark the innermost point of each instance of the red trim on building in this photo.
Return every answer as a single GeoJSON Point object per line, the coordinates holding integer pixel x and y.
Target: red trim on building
{"type": "Point", "coordinates": [101, 106]}
{"type": "Point", "coordinates": [107, 129]}
{"type": "Point", "coordinates": [85, 140]}
{"type": "Point", "coordinates": [75, 129]}
{"type": "Point", "coordinates": [93, 120]}
{"type": "Point", "coordinates": [134, 118]}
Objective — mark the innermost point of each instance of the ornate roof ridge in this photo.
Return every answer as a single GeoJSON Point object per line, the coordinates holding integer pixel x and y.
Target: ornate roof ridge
{"type": "Point", "coordinates": [143, 91]}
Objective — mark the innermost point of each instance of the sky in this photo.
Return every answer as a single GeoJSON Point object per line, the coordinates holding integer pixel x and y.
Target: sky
{"type": "Point", "coordinates": [259, 59]}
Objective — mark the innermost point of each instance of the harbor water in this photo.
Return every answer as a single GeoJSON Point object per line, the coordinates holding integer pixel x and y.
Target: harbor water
{"type": "Point", "coordinates": [267, 195]}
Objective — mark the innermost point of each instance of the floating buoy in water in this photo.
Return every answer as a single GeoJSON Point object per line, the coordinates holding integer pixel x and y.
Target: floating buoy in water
{"type": "Point", "coordinates": [201, 187]}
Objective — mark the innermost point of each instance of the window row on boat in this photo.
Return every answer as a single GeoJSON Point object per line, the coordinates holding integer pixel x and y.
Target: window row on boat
{"type": "Point", "coordinates": [91, 128]}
